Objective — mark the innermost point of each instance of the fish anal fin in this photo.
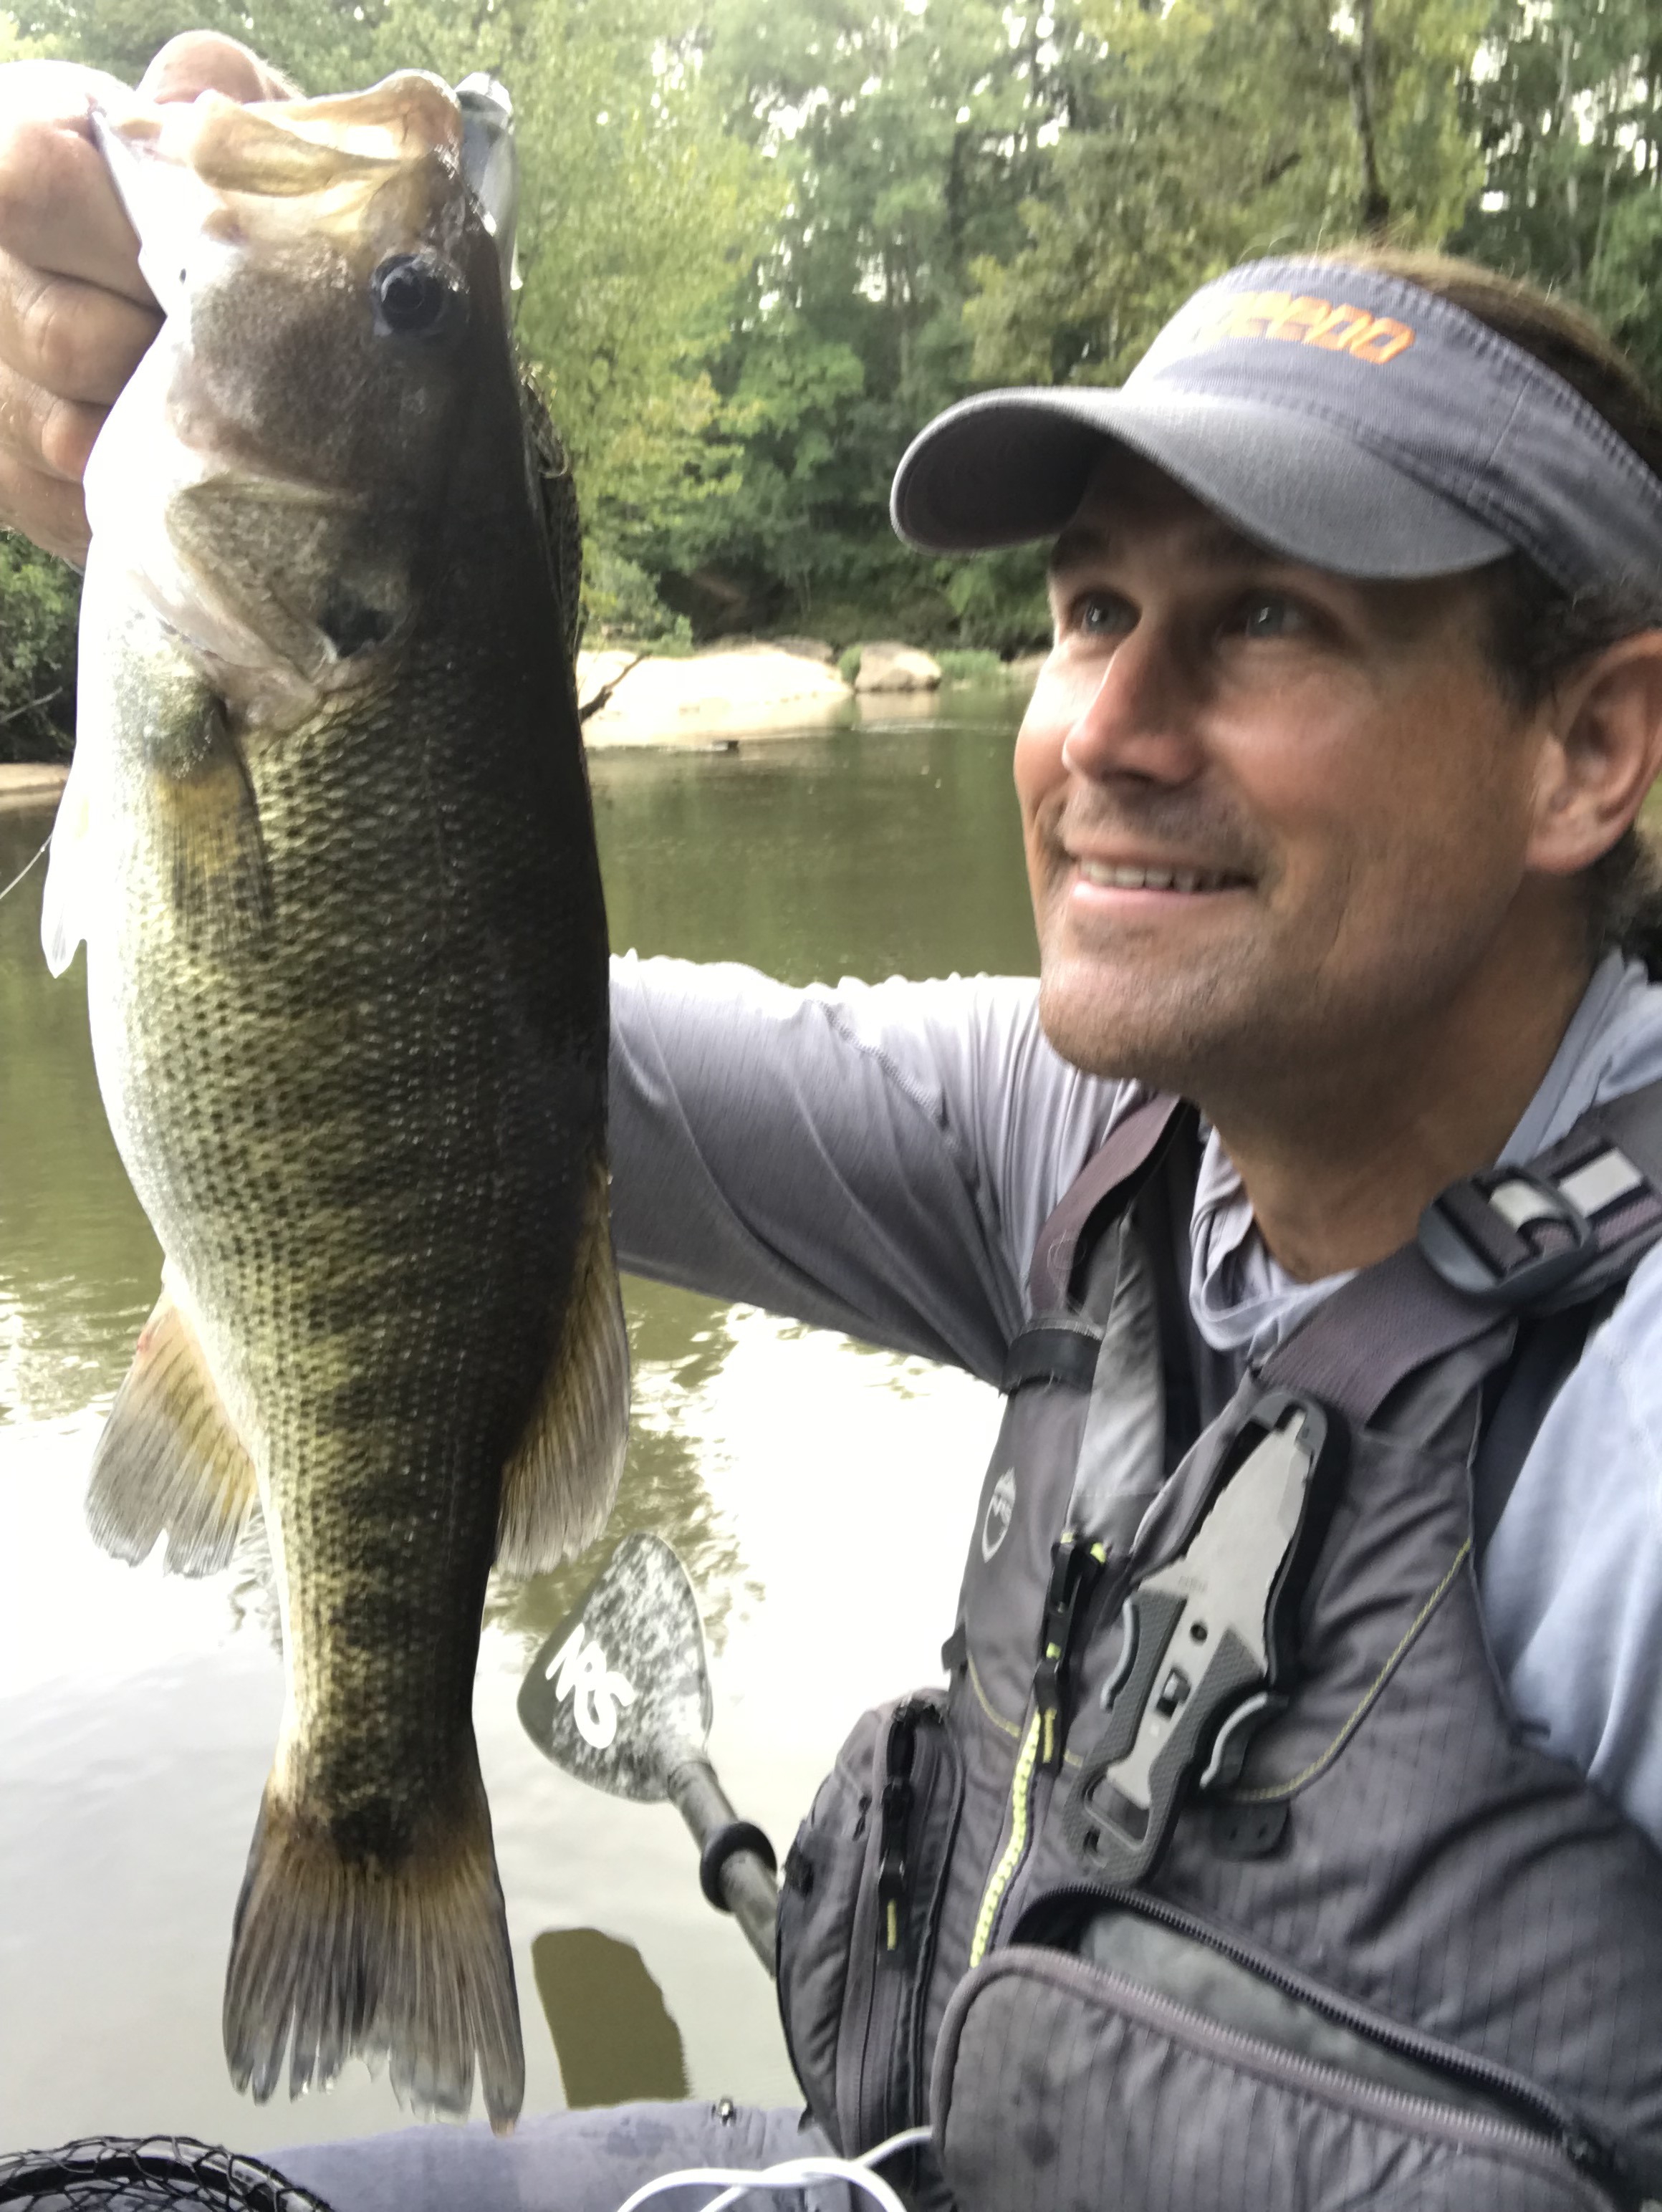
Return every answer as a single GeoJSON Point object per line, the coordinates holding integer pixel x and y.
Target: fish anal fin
{"type": "Point", "coordinates": [170, 1460]}
{"type": "Point", "coordinates": [399, 1953]}
{"type": "Point", "coordinates": [558, 1487]}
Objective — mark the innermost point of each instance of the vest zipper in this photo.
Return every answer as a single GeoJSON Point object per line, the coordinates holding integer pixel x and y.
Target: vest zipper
{"type": "Point", "coordinates": [1074, 1567]}
{"type": "Point", "coordinates": [891, 1868]}
{"type": "Point", "coordinates": [1021, 1788]}
{"type": "Point", "coordinates": [1586, 2152]}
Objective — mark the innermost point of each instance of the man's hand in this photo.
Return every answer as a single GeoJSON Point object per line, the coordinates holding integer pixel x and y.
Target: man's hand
{"type": "Point", "coordinates": [75, 314]}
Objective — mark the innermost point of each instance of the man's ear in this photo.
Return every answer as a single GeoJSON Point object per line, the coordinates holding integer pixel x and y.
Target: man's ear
{"type": "Point", "coordinates": [1602, 751]}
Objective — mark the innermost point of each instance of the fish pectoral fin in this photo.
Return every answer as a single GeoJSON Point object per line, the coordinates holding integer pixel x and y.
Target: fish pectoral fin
{"type": "Point", "coordinates": [559, 1486]}
{"type": "Point", "coordinates": [71, 876]}
{"type": "Point", "coordinates": [170, 1460]}
{"type": "Point", "coordinates": [206, 824]}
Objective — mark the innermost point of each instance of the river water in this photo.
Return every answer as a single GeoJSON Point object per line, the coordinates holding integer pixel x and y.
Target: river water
{"type": "Point", "coordinates": [818, 1490]}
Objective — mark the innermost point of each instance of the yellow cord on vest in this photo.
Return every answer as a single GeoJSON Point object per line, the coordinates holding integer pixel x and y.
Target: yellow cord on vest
{"type": "Point", "coordinates": [1020, 1788]}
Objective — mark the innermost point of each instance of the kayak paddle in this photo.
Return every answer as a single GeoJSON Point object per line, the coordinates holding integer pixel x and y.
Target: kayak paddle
{"type": "Point", "coordinates": [619, 1695]}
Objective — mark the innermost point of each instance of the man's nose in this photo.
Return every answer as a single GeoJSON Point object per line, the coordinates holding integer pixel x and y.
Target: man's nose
{"type": "Point", "coordinates": [1133, 722]}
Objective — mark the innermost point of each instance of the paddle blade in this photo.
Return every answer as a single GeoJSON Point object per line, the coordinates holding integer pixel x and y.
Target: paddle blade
{"type": "Point", "coordinates": [619, 1695]}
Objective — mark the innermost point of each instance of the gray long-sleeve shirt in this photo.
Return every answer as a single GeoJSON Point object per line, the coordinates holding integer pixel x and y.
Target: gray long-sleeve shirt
{"type": "Point", "coordinates": [879, 1158]}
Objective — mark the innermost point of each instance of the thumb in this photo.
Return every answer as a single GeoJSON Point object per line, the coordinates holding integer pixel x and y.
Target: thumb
{"type": "Point", "coordinates": [203, 60]}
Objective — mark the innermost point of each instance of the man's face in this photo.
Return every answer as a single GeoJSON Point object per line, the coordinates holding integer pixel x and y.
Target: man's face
{"type": "Point", "coordinates": [1274, 818]}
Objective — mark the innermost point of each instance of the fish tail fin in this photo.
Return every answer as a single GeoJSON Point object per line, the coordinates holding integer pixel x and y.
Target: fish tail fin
{"type": "Point", "coordinates": [379, 1955]}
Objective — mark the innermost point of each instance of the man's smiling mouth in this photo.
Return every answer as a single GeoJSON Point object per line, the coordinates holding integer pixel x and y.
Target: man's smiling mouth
{"type": "Point", "coordinates": [1123, 878]}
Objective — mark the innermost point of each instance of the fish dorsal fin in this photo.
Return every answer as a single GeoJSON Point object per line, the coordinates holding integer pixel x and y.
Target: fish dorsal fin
{"type": "Point", "coordinates": [559, 1486]}
{"type": "Point", "coordinates": [170, 1460]}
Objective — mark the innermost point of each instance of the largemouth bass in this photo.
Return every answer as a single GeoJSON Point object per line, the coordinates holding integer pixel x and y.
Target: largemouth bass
{"type": "Point", "coordinates": [328, 840]}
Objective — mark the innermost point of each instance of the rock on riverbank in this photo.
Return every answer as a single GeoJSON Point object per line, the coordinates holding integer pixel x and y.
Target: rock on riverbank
{"type": "Point", "coordinates": [889, 665]}
{"type": "Point", "coordinates": [686, 701]}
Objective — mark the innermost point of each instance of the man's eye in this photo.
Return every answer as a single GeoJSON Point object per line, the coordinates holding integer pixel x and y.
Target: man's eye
{"type": "Point", "coordinates": [1098, 614]}
{"type": "Point", "coordinates": [1268, 614]}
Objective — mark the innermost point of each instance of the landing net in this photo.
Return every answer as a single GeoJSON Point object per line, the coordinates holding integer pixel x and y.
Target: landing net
{"type": "Point", "coordinates": [128, 2174]}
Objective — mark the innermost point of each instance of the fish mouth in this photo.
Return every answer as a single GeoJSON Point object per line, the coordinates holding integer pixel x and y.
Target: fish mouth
{"type": "Point", "coordinates": [273, 174]}
{"type": "Point", "coordinates": [282, 580]}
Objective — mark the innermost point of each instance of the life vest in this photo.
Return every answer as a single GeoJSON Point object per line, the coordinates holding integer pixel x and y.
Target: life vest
{"type": "Point", "coordinates": [1222, 1876]}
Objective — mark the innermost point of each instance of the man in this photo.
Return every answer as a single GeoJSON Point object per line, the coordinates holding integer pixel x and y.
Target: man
{"type": "Point", "coordinates": [1327, 788]}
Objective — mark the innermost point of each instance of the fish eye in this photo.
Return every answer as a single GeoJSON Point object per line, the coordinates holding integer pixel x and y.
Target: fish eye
{"type": "Point", "coordinates": [414, 297]}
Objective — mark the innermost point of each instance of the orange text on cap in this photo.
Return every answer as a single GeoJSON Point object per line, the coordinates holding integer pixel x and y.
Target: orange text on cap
{"type": "Point", "coordinates": [1301, 318]}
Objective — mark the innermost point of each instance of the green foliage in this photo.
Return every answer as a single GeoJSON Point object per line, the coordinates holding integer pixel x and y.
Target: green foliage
{"type": "Point", "coordinates": [847, 666]}
{"type": "Point", "coordinates": [620, 601]}
{"type": "Point", "coordinates": [39, 600]}
{"type": "Point", "coordinates": [1568, 108]}
{"type": "Point", "coordinates": [1215, 133]}
{"type": "Point", "coordinates": [969, 665]}
{"type": "Point", "coordinates": [903, 137]}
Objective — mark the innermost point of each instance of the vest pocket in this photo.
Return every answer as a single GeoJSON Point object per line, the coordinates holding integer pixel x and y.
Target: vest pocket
{"type": "Point", "coordinates": [1058, 2084]}
{"type": "Point", "coordinates": [857, 1920]}
{"type": "Point", "coordinates": [817, 1898]}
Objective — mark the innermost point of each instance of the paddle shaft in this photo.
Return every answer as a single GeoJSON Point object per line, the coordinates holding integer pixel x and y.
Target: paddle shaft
{"type": "Point", "coordinates": [748, 1887]}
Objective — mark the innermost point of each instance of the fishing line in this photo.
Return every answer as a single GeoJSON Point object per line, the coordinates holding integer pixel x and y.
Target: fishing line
{"type": "Point", "coordinates": [795, 2173]}
{"type": "Point", "coordinates": [24, 870]}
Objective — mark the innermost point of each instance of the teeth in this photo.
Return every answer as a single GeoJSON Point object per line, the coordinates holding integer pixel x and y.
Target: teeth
{"type": "Point", "coordinates": [1151, 880]}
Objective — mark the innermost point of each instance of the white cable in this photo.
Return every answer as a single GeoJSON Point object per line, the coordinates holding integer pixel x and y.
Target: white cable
{"type": "Point", "coordinates": [23, 870]}
{"type": "Point", "coordinates": [793, 2174]}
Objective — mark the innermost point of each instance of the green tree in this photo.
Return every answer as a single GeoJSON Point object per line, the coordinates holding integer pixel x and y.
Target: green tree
{"type": "Point", "coordinates": [1215, 132]}
{"type": "Point", "coordinates": [1565, 102]}
{"type": "Point", "coordinates": [39, 600]}
{"type": "Point", "coordinates": [903, 136]}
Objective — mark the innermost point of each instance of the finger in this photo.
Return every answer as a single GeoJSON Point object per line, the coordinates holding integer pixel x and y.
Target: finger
{"type": "Point", "coordinates": [76, 340]}
{"type": "Point", "coordinates": [44, 508]}
{"type": "Point", "coordinates": [44, 433]}
{"type": "Point", "coordinates": [58, 210]}
{"type": "Point", "coordinates": [203, 60]}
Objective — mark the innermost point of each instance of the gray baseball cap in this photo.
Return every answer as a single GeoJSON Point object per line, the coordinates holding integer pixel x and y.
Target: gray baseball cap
{"type": "Point", "coordinates": [1346, 418]}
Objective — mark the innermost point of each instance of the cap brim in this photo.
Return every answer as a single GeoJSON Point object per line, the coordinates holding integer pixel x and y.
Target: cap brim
{"type": "Point", "coordinates": [1011, 466]}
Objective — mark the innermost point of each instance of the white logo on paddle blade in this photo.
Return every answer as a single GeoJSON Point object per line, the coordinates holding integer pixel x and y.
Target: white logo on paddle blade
{"type": "Point", "coordinates": [595, 1694]}
{"type": "Point", "coordinates": [1000, 1507]}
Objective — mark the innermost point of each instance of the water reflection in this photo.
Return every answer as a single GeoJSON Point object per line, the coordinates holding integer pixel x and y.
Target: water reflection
{"type": "Point", "coordinates": [677, 1345]}
{"type": "Point", "coordinates": [137, 1713]}
{"type": "Point", "coordinates": [611, 2029]}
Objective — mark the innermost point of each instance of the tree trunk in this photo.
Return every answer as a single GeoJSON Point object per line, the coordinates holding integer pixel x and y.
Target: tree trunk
{"type": "Point", "coordinates": [1360, 59]}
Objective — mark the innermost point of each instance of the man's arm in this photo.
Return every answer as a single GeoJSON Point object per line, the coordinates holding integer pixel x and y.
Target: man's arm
{"type": "Point", "coordinates": [872, 1158]}
{"type": "Point", "coordinates": [1572, 1580]}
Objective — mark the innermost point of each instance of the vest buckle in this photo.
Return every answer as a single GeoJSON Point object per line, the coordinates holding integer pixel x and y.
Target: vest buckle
{"type": "Point", "coordinates": [1506, 1235]}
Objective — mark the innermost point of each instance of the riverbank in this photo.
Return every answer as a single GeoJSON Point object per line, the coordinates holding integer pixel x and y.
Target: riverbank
{"type": "Point", "coordinates": [754, 689]}
{"type": "Point", "coordinates": [29, 783]}
{"type": "Point", "coordinates": [751, 688]}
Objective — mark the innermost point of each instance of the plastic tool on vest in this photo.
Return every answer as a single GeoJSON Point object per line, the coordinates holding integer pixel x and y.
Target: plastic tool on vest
{"type": "Point", "coordinates": [620, 1697]}
{"type": "Point", "coordinates": [1206, 1646]}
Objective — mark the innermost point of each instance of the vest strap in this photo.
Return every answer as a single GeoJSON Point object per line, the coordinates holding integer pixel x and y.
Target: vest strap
{"type": "Point", "coordinates": [1374, 1332]}
{"type": "Point", "coordinates": [1129, 1150]}
{"type": "Point", "coordinates": [1052, 1351]}
{"type": "Point", "coordinates": [1544, 1238]}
